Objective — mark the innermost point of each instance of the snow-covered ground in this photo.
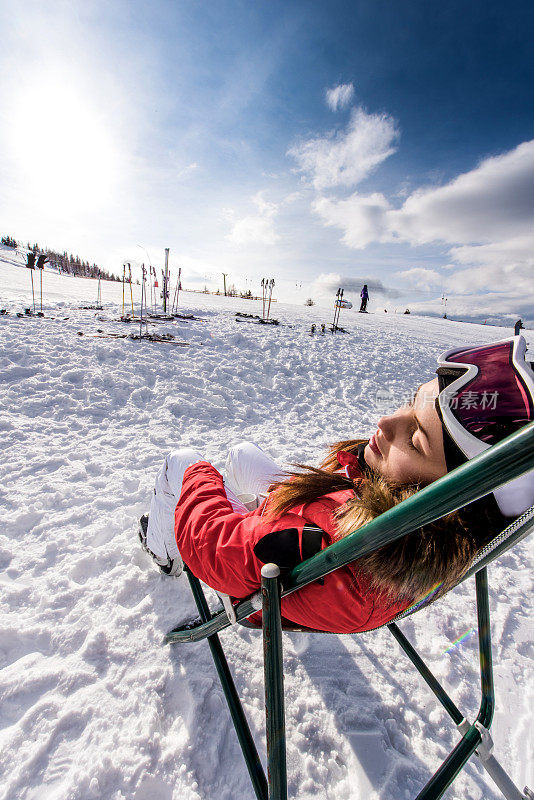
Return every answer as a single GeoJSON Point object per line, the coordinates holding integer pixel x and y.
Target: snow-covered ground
{"type": "Point", "coordinates": [92, 704]}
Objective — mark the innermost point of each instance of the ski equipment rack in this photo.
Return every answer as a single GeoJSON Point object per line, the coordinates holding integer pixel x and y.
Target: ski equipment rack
{"type": "Point", "coordinates": [499, 464]}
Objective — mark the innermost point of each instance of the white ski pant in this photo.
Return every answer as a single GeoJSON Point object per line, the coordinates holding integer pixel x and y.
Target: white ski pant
{"type": "Point", "coordinates": [248, 471]}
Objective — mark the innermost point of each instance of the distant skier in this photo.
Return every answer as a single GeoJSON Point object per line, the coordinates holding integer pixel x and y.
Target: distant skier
{"type": "Point", "coordinates": [364, 294]}
{"type": "Point", "coordinates": [518, 327]}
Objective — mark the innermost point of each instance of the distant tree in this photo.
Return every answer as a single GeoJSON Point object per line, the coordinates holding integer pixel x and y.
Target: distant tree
{"type": "Point", "coordinates": [232, 291]}
{"type": "Point", "coordinates": [9, 241]}
{"type": "Point", "coordinates": [65, 262]}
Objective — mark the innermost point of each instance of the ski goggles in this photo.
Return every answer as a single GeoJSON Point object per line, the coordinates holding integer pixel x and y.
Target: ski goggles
{"type": "Point", "coordinates": [487, 393]}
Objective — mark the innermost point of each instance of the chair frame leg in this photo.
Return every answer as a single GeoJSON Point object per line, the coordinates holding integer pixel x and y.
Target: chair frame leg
{"type": "Point", "coordinates": [250, 753]}
{"type": "Point", "coordinates": [274, 682]}
{"type": "Point", "coordinates": [475, 737]}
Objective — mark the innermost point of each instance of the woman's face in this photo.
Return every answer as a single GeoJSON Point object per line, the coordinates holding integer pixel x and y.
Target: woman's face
{"type": "Point", "coordinates": [408, 445]}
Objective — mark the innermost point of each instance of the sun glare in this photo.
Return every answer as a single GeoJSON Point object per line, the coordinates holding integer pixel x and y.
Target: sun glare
{"type": "Point", "coordinates": [61, 146]}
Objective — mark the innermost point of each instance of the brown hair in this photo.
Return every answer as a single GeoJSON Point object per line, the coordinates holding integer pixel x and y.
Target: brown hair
{"type": "Point", "coordinates": [431, 558]}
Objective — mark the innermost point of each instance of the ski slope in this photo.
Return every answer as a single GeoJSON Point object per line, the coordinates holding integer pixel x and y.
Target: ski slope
{"type": "Point", "coordinates": [92, 706]}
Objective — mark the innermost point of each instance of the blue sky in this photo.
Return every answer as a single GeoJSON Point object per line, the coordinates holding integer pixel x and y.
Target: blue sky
{"type": "Point", "coordinates": [321, 143]}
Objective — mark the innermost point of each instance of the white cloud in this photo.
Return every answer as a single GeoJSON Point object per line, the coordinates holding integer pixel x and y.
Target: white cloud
{"type": "Point", "coordinates": [292, 197]}
{"type": "Point", "coordinates": [182, 173]}
{"type": "Point", "coordinates": [487, 214]}
{"type": "Point", "coordinates": [505, 269]}
{"type": "Point", "coordinates": [513, 278]}
{"type": "Point", "coordinates": [362, 218]}
{"type": "Point", "coordinates": [340, 96]}
{"type": "Point", "coordinates": [255, 228]}
{"type": "Point", "coordinates": [344, 158]}
{"type": "Point", "coordinates": [491, 203]}
{"type": "Point", "coordinates": [518, 251]}
{"type": "Point", "coordinates": [259, 227]}
{"type": "Point", "coordinates": [422, 277]}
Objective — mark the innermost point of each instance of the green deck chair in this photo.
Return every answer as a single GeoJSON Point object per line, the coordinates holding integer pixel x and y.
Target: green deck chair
{"type": "Point", "coordinates": [501, 463]}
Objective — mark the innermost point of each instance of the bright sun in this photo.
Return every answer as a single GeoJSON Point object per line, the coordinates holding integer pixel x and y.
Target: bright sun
{"type": "Point", "coordinates": [61, 144]}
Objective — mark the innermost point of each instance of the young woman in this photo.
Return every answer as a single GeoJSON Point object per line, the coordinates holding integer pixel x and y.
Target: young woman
{"type": "Point", "coordinates": [481, 395]}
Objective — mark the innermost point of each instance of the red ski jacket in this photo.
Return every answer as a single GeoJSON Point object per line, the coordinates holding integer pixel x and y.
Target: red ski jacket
{"type": "Point", "coordinates": [227, 550]}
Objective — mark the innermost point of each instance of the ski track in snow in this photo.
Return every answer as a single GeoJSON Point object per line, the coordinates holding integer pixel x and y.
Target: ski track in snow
{"type": "Point", "coordinates": [91, 704]}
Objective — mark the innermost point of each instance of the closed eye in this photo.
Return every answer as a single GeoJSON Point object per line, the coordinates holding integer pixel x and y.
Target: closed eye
{"type": "Point", "coordinates": [410, 441]}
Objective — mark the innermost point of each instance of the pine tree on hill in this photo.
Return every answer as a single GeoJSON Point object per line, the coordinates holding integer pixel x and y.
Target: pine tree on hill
{"type": "Point", "coordinates": [8, 241]}
{"type": "Point", "coordinates": [64, 262]}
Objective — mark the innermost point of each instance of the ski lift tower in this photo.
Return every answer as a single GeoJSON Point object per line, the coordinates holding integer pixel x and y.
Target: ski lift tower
{"type": "Point", "coordinates": [166, 280]}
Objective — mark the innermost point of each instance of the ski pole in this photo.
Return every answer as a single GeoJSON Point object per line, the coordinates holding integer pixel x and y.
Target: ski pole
{"type": "Point", "coordinates": [31, 266]}
{"type": "Point", "coordinates": [123, 279]}
{"type": "Point", "coordinates": [142, 293]}
{"type": "Point", "coordinates": [340, 306]}
{"type": "Point", "coordinates": [146, 299]}
{"type": "Point", "coordinates": [336, 309]}
{"type": "Point", "coordinates": [156, 286]}
{"type": "Point", "coordinates": [176, 292]}
{"type": "Point", "coordinates": [143, 296]}
{"type": "Point", "coordinates": [334, 324]}
{"type": "Point", "coordinates": [263, 297]}
{"type": "Point", "coordinates": [131, 290]}
{"type": "Point", "coordinates": [271, 284]}
{"type": "Point", "coordinates": [165, 290]}
{"type": "Point", "coordinates": [40, 266]}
